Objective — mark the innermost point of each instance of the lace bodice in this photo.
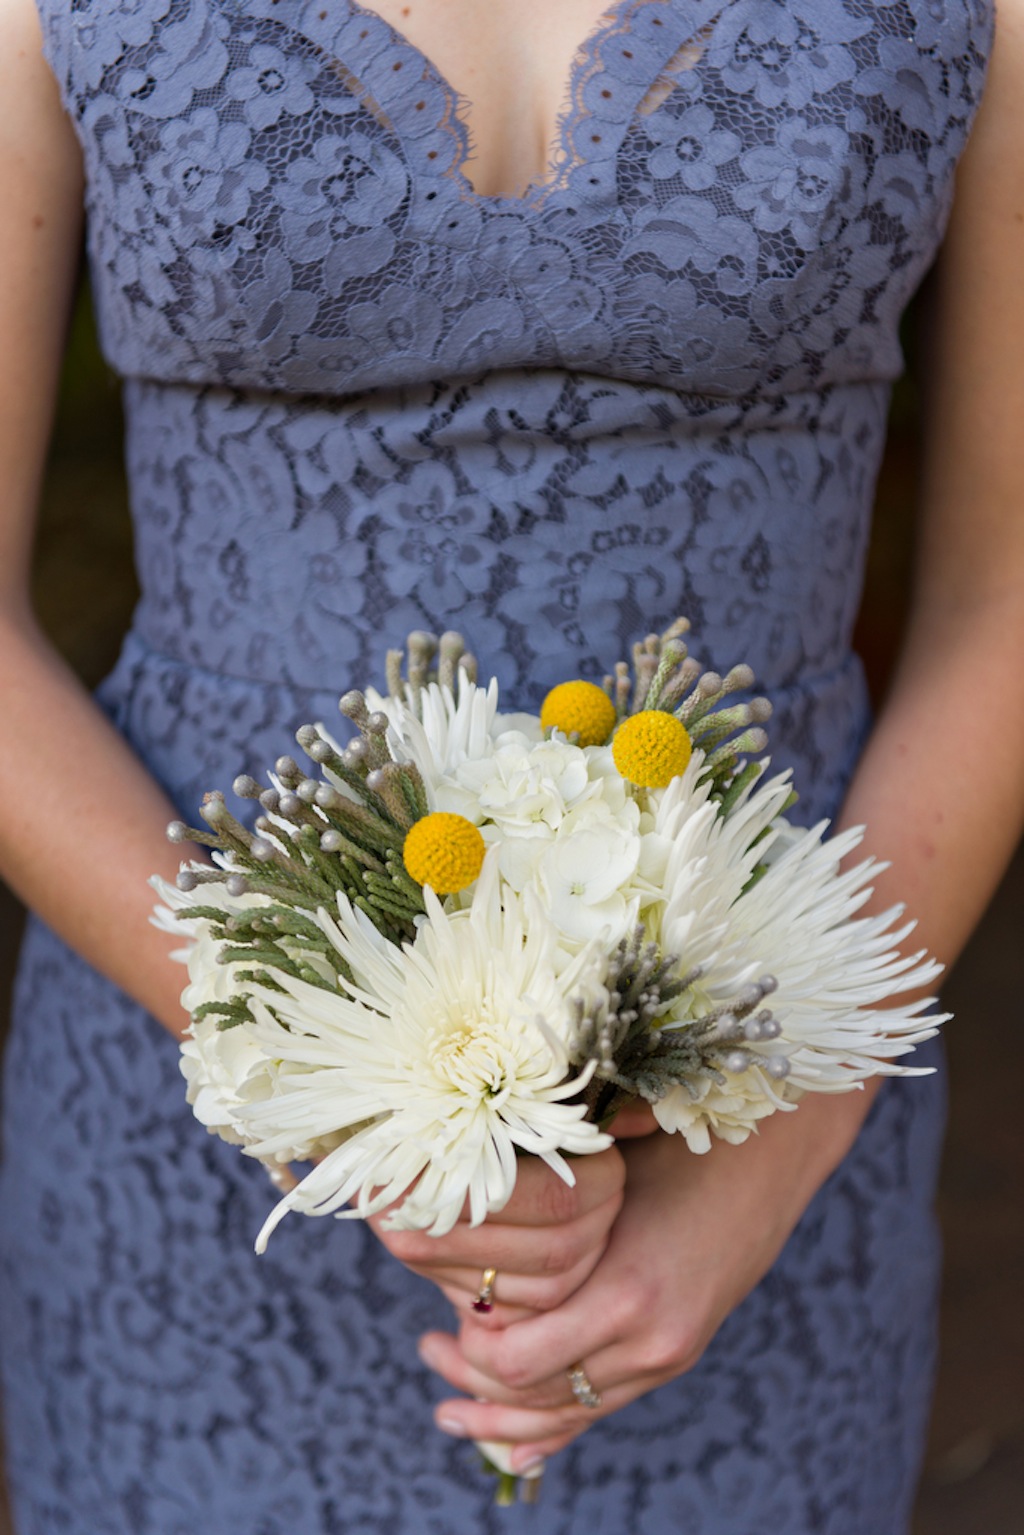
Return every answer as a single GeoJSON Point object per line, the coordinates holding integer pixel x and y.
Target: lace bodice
{"type": "Point", "coordinates": [746, 192]}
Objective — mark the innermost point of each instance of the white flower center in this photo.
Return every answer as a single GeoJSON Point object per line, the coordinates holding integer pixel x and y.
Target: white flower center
{"type": "Point", "coordinates": [471, 1059]}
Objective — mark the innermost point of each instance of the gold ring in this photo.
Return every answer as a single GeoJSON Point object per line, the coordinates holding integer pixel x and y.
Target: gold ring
{"type": "Point", "coordinates": [484, 1298]}
{"type": "Point", "coordinates": [582, 1388]}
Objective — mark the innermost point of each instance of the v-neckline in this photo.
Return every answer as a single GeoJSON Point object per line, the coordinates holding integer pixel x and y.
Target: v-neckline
{"type": "Point", "coordinates": [661, 27]}
{"type": "Point", "coordinates": [607, 22]}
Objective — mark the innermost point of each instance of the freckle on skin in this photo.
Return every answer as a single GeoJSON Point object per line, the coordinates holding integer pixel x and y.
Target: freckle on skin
{"type": "Point", "coordinates": [38, 221]}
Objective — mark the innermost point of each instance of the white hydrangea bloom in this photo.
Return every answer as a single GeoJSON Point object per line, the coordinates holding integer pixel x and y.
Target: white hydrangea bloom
{"type": "Point", "coordinates": [225, 1069]}
{"type": "Point", "coordinates": [584, 877]}
{"type": "Point", "coordinates": [524, 787]}
{"type": "Point", "coordinates": [562, 818]}
{"type": "Point", "coordinates": [732, 1112]}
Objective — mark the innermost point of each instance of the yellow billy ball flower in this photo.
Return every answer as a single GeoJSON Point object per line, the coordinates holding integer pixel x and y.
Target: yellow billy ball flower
{"type": "Point", "coordinates": [582, 707]}
{"type": "Point", "coordinates": [443, 851]}
{"type": "Point", "coordinates": [651, 748]}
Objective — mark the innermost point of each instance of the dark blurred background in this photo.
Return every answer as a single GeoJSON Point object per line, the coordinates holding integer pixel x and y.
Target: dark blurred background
{"type": "Point", "coordinates": [974, 1481]}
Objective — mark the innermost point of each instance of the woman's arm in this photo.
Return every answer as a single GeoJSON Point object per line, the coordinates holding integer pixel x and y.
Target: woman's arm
{"type": "Point", "coordinates": [74, 793]}
{"type": "Point", "coordinates": [941, 789]}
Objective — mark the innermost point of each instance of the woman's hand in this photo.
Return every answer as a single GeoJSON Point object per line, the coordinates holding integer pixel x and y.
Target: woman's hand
{"type": "Point", "coordinates": [544, 1244]}
{"type": "Point", "coordinates": [694, 1235]}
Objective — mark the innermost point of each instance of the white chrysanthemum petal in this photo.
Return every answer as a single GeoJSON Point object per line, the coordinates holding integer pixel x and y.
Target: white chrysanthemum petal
{"type": "Point", "coordinates": [430, 1062]}
{"type": "Point", "coordinates": [224, 1068]}
{"type": "Point", "coordinates": [797, 922]}
{"type": "Point", "coordinates": [439, 730]}
{"type": "Point", "coordinates": [731, 1112]}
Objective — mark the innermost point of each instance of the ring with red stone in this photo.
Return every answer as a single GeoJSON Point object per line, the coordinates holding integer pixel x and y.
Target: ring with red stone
{"type": "Point", "coordinates": [483, 1301]}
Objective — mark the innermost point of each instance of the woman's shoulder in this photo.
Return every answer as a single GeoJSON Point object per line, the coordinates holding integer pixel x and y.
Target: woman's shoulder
{"type": "Point", "coordinates": [33, 130]}
{"type": "Point", "coordinates": [999, 129]}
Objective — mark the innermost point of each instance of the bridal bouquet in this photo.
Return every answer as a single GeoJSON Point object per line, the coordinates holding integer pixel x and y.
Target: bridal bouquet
{"type": "Point", "coordinates": [469, 934]}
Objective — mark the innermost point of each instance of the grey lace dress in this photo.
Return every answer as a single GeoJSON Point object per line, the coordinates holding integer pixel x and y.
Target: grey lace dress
{"type": "Point", "coordinates": [362, 399]}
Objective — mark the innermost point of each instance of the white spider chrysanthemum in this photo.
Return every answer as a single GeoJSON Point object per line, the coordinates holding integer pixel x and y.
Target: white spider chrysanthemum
{"type": "Point", "coordinates": [208, 981]}
{"type": "Point", "coordinates": [439, 730]}
{"type": "Point", "coordinates": [225, 1069]}
{"type": "Point", "coordinates": [799, 924]}
{"type": "Point", "coordinates": [442, 1058]}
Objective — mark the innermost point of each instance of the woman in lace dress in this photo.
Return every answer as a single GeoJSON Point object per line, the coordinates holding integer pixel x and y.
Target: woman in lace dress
{"type": "Point", "coordinates": [412, 335]}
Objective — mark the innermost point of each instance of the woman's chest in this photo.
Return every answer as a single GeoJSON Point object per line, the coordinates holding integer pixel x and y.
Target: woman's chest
{"type": "Point", "coordinates": [510, 62]}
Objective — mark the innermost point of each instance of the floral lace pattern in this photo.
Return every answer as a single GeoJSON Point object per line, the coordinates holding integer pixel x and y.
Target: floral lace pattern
{"type": "Point", "coordinates": [363, 399]}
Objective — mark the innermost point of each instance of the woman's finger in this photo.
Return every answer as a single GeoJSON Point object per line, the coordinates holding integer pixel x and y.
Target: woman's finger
{"type": "Point", "coordinates": [634, 1120]}
{"type": "Point", "coordinates": [495, 1321]}
{"type": "Point", "coordinates": [608, 1371]}
{"type": "Point", "coordinates": [509, 1295]}
{"type": "Point", "coordinates": [441, 1352]}
{"type": "Point", "coordinates": [528, 1426]}
{"type": "Point", "coordinates": [592, 1320]}
{"type": "Point", "coordinates": [510, 1298]}
{"type": "Point", "coordinates": [540, 1421]}
{"type": "Point", "coordinates": [542, 1198]}
{"type": "Point", "coordinates": [537, 1251]}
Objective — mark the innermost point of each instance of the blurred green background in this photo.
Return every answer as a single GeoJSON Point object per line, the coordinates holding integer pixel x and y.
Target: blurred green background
{"type": "Point", "coordinates": [974, 1481]}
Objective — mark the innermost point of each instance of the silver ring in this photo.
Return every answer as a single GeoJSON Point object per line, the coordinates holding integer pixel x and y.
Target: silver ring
{"type": "Point", "coordinates": [483, 1301]}
{"type": "Point", "coordinates": [582, 1388]}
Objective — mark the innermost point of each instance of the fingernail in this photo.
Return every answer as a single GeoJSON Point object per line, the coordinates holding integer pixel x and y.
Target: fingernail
{"type": "Point", "coordinates": [531, 1463]}
{"type": "Point", "coordinates": [425, 1350]}
{"type": "Point", "coordinates": [453, 1426]}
